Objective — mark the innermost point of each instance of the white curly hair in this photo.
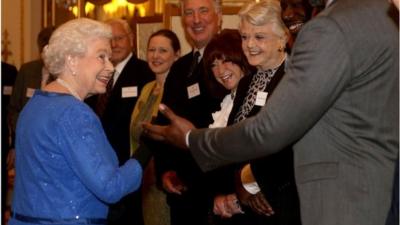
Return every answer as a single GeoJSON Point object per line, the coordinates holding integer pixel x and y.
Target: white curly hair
{"type": "Point", "coordinates": [72, 38]}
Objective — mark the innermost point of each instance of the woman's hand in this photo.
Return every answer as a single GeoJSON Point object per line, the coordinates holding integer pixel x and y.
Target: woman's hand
{"type": "Point", "coordinates": [172, 184]}
{"type": "Point", "coordinates": [226, 205]}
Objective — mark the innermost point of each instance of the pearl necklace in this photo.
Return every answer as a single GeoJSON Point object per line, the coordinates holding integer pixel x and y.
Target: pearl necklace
{"type": "Point", "coordinates": [69, 88]}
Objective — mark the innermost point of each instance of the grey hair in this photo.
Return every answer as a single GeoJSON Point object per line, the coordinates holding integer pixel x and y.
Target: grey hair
{"type": "Point", "coordinates": [122, 22]}
{"type": "Point", "coordinates": [264, 12]}
{"type": "Point", "coordinates": [72, 39]}
{"type": "Point", "coordinates": [217, 5]}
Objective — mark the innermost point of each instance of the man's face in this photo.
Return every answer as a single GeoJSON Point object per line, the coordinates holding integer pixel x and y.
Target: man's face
{"type": "Point", "coordinates": [294, 14]}
{"type": "Point", "coordinates": [201, 21]}
{"type": "Point", "coordinates": [121, 43]}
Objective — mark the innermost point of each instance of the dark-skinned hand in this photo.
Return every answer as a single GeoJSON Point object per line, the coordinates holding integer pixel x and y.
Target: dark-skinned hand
{"type": "Point", "coordinates": [257, 202]}
{"type": "Point", "coordinates": [174, 133]}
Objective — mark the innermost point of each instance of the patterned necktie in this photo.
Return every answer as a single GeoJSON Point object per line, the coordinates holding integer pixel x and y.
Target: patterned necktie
{"type": "Point", "coordinates": [103, 98]}
{"type": "Point", "coordinates": [259, 82]}
{"type": "Point", "coordinates": [195, 62]}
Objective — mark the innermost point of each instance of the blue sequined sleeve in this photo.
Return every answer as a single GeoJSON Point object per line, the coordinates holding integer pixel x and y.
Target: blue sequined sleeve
{"type": "Point", "coordinates": [92, 158]}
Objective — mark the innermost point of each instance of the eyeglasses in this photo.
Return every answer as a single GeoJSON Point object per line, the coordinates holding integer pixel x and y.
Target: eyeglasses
{"type": "Point", "coordinates": [119, 37]}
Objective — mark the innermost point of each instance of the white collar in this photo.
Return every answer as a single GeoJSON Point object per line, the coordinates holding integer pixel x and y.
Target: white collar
{"type": "Point", "coordinates": [120, 66]}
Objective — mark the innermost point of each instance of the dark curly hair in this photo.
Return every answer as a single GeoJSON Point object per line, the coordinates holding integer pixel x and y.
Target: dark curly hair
{"type": "Point", "coordinates": [227, 45]}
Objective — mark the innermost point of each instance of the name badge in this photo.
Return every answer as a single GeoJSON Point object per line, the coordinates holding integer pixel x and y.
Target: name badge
{"type": "Point", "coordinates": [193, 90]}
{"type": "Point", "coordinates": [261, 98]}
{"type": "Point", "coordinates": [29, 92]}
{"type": "Point", "coordinates": [129, 92]}
{"type": "Point", "coordinates": [7, 90]}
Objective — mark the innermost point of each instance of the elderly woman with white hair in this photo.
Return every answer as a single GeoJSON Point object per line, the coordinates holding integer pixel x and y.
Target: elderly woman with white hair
{"type": "Point", "coordinates": [66, 170]}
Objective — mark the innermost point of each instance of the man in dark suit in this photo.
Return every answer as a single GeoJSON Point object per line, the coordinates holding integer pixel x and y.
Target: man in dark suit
{"type": "Point", "coordinates": [115, 110]}
{"type": "Point", "coordinates": [338, 102]}
{"type": "Point", "coordinates": [185, 91]}
{"type": "Point", "coordinates": [31, 76]}
{"type": "Point", "coordinates": [8, 75]}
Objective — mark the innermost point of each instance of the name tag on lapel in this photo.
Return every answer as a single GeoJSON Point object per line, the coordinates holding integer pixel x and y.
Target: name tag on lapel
{"type": "Point", "coordinates": [7, 90]}
{"type": "Point", "coordinates": [29, 92]}
{"type": "Point", "coordinates": [261, 98]}
{"type": "Point", "coordinates": [129, 92]}
{"type": "Point", "coordinates": [193, 90]}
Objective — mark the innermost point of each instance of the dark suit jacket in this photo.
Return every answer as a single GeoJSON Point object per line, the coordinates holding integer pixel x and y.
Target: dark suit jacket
{"type": "Point", "coordinates": [197, 109]}
{"type": "Point", "coordinates": [29, 77]}
{"type": "Point", "coordinates": [117, 114]}
{"type": "Point", "coordinates": [340, 100]}
{"type": "Point", "coordinates": [8, 76]}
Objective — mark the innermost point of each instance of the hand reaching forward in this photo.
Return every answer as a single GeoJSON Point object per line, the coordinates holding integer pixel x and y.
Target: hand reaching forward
{"type": "Point", "coordinates": [257, 202]}
{"type": "Point", "coordinates": [174, 133]}
{"type": "Point", "coordinates": [172, 184]}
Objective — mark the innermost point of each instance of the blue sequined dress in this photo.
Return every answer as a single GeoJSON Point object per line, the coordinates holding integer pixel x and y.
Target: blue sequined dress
{"type": "Point", "coordinates": [66, 171]}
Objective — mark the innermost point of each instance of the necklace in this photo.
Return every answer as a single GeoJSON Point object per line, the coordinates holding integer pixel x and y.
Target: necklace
{"type": "Point", "coordinates": [69, 88]}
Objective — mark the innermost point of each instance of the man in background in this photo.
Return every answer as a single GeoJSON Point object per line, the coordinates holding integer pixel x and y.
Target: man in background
{"type": "Point", "coordinates": [295, 13]}
{"type": "Point", "coordinates": [185, 91]}
{"type": "Point", "coordinates": [31, 76]}
{"type": "Point", "coordinates": [8, 76]}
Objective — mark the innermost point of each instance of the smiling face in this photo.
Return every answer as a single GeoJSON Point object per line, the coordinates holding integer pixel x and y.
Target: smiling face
{"type": "Point", "coordinates": [226, 73]}
{"type": "Point", "coordinates": [121, 43]}
{"type": "Point", "coordinates": [295, 14]}
{"type": "Point", "coordinates": [94, 69]}
{"type": "Point", "coordinates": [161, 55]}
{"type": "Point", "coordinates": [200, 21]}
{"type": "Point", "coordinates": [261, 45]}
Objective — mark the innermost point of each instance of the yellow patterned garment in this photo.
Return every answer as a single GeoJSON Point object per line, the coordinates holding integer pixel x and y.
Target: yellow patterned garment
{"type": "Point", "coordinates": [145, 110]}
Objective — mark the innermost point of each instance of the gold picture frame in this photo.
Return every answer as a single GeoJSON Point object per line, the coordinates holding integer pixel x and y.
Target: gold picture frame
{"type": "Point", "coordinates": [143, 28]}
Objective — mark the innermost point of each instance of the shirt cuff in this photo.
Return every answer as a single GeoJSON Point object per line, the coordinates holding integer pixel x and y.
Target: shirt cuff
{"type": "Point", "coordinates": [248, 181]}
{"type": "Point", "coordinates": [187, 138]}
